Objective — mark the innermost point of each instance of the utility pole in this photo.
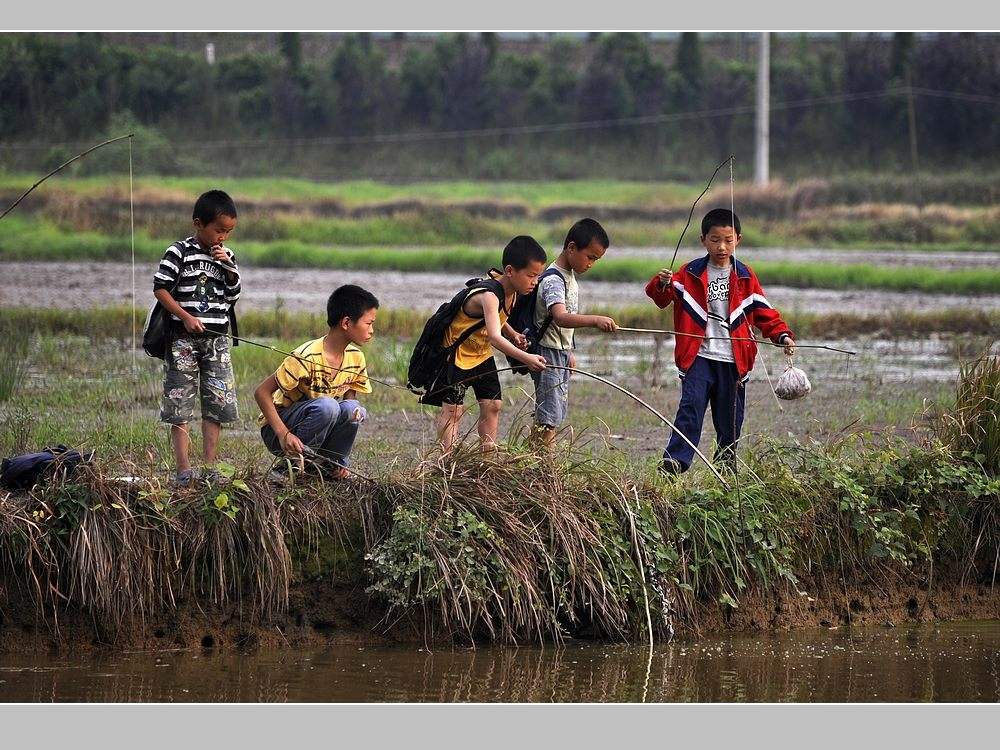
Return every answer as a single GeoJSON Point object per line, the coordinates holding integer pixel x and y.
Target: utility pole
{"type": "Point", "coordinates": [761, 172]}
{"type": "Point", "coordinates": [911, 118]}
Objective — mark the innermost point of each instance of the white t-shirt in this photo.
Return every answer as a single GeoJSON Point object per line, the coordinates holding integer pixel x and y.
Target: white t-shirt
{"type": "Point", "coordinates": [719, 347]}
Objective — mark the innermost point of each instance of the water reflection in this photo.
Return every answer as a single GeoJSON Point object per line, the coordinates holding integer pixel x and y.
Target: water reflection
{"type": "Point", "coordinates": [952, 662]}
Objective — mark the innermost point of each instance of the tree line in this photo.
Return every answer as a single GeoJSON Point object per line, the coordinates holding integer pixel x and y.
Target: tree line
{"type": "Point", "coordinates": [75, 87]}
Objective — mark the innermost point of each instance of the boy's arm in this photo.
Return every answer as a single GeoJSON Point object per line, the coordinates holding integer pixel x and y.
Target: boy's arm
{"type": "Point", "coordinates": [263, 396]}
{"type": "Point", "coordinates": [565, 319]}
{"type": "Point", "coordinates": [519, 339]}
{"type": "Point", "coordinates": [191, 323]}
{"type": "Point", "coordinates": [165, 279]}
{"type": "Point", "coordinates": [491, 314]}
{"type": "Point", "coordinates": [227, 260]}
{"type": "Point", "coordinates": [552, 291]}
{"type": "Point", "coordinates": [661, 289]}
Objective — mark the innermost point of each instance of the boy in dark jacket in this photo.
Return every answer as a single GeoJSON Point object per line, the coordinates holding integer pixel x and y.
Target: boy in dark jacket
{"type": "Point", "coordinates": [716, 300]}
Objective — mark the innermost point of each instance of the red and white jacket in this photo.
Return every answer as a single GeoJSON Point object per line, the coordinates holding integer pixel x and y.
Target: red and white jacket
{"type": "Point", "coordinates": [748, 307]}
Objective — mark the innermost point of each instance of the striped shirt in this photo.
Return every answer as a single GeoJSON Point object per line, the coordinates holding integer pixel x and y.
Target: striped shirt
{"type": "Point", "coordinates": [203, 288]}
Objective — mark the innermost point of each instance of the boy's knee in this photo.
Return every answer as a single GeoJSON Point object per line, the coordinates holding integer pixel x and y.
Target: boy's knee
{"type": "Point", "coordinates": [490, 407]}
{"type": "Point", "coordinates": [324, 406]}
{"type": "Point", "coordinates": [353, 411]}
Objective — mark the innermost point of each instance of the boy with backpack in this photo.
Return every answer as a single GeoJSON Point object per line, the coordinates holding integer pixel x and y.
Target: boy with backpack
{"type": "Point", "coordinates": [553, 311]}
{"type": "Point", "coordinates": [197, 283]}
{"type": "Point", "coordinates": [455, 351]}
{"type": "Point", "coordinates": [716, 301]}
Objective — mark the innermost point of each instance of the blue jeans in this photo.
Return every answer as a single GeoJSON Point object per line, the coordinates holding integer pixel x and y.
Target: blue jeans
{"type": "Point", "coordinates": [324, 424]}
{"type": "Point", "coordinates": [706, 382]}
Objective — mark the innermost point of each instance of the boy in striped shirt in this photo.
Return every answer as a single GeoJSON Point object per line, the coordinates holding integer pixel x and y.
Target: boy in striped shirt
{"type": "Point", "coordinates": [197, 282]}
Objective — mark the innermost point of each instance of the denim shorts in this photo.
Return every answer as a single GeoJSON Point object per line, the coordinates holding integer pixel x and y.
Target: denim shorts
{"type": "Point", "coordinates": [198, 364]}
{"type": "Point", "coordinates": [552, 388]}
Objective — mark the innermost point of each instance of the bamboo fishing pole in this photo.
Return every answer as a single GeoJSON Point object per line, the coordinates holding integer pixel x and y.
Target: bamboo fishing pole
{"type": "Point", "coordinates": [60, 167]}
{"type": "Point", "coordinates": [732, 338]}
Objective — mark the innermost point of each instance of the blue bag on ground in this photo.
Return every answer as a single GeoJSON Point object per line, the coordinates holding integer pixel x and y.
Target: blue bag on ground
{"type": "Point", "coordinates": [24, 472]}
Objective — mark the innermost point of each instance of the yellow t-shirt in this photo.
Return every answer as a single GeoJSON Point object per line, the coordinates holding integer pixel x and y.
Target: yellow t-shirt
{"type": "Point", "coordinates": [476, 349]}
{"type": "Point", "coordinates": [307, 375]}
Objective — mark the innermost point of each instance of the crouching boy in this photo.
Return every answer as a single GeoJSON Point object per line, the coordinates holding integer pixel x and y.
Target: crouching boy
{"type": "Point", "coordinates": [311, 400]}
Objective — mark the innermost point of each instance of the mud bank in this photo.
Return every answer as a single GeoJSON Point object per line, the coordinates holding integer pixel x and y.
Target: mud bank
{"type": "Point", "coordinates": [323, 614]}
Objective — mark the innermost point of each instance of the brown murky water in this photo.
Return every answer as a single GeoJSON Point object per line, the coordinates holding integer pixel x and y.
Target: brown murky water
{"type": "Point", "coordinates": [948, 662]}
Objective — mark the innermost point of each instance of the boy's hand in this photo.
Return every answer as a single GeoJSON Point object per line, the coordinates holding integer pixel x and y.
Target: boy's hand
{"type": "Point", "coordinates": [535, 363]}
{"type": "Point", "coordinates": [664, 275]}
{"type": "Point", "coordinates": [572, 360]}
{"type": "Point", "coordinates": [291, 445]}
{"type": "Point", "coordinates": [219, 253]}
{"type": "Point", "coordinates": [521, 341]}
{"type": "Point", "coordinates": [606, 324]}
{"type": "Point", "coordinates": [193, 325]}
{"type": "Point", "coordinates": [789, 345]}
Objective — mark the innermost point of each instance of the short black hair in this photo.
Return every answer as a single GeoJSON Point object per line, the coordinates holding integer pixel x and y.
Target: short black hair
{"type": "Point", "coordinates": [348, 301]}
{"type": "Point", "coordinates": [584, 232]}
{"type": "Point", "coordinates": [720, 217]}
{"type": "Point", "coordinates": [521, 250]}
{"type": "Point", "coordinates": [211, 204]}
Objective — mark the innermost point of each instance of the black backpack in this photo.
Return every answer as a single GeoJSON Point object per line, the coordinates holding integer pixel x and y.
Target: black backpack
{"type": "Point", "coordinates": [430, 357]}
{"type": "Point", "coordinates": [24, 472]}
{"type": "Point", "coordinates": [522, 320]}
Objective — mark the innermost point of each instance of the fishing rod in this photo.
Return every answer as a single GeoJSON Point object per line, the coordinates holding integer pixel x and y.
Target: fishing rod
{"type": "Point", "coordinates": [734, 338]}
{"type": "Point", "coordinates": [60, 167]}
{"type": "Point", "coordinates": [680, 239]}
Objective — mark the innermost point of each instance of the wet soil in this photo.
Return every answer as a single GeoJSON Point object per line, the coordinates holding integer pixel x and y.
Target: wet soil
{"type": "Point", "coordinates": [93, 284]}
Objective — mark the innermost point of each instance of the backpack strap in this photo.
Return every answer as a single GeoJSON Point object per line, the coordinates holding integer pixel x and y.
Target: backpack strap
{"type": "Point", "coordinates": [550, 271]}
{"type": "Point", "coordinates": [487, 285]}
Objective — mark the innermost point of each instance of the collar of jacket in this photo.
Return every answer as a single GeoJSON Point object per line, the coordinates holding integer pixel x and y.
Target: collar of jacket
{"type": "Point", "coordinates": [697, 267]}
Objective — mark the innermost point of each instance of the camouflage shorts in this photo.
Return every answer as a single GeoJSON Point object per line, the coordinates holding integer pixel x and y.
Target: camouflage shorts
{"type": "Point", "coordinates": [192, 361]}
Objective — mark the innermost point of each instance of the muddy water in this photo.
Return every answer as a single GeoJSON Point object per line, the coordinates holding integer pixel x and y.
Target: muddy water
{"type": "Point", "coordinates": [92, 284]}
{"type": "Point", "coordinates": [948, 662]}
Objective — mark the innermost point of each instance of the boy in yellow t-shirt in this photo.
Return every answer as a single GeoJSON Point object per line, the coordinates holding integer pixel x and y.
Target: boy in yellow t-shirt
{"type": "Point", "coordinates": [311, 400]}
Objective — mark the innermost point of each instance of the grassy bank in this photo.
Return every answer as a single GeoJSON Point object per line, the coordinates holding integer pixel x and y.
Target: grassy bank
{"type": "Point", "coordinates": [514, 548]}
{"type": "Point", "coordinates": [591, 542]}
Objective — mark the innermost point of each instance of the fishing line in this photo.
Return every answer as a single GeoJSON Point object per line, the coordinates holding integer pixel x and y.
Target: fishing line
{"type": "Point", "coordinates": [135, 371]}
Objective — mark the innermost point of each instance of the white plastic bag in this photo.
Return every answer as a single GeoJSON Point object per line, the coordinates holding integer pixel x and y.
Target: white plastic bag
{"type": "Point", "coordinates": [792, 384]}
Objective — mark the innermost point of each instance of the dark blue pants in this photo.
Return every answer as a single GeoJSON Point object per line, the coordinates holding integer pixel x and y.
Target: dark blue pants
{"type": "Point", "coordinates": [708, 382]}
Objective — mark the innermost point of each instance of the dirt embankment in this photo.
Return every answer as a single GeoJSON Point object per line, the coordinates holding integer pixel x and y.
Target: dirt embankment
{"type": "Point", "coordinates": [323, 613]}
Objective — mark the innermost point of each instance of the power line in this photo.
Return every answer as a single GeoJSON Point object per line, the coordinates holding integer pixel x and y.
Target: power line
{"type": "Point", "coordinates": [639, 120]}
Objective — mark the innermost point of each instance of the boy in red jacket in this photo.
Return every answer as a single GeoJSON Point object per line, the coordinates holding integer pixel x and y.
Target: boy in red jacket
{"type": "Point", "coordinates": [717, 299]}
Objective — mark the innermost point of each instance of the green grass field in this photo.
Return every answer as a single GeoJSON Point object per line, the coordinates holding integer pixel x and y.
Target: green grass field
{"type": "Point", "coordinates": [25, 240]}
